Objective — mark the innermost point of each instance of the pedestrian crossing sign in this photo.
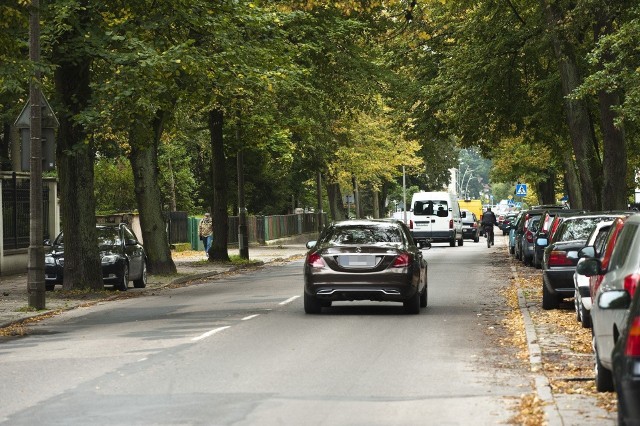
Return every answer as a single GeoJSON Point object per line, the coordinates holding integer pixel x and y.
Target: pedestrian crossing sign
{"type": "Point", "coordinates": [521, 189]}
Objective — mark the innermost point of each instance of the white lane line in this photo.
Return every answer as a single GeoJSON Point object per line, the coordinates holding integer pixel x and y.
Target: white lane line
{"type": "Point", "coordinates": [250, 317]}
{"type": "Point", "coordinates": [209, 333]}
{"type": "Point", "coordinates": [289, 300]}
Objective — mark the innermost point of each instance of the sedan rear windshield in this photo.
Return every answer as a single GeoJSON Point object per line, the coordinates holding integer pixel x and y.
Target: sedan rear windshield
{"type": "Point", "coordinates": [363, 235]}
{"type": "Point", "coordinates": [579, 228]}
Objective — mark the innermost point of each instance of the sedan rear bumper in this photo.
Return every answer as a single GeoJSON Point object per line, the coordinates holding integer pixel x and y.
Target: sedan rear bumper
{"type": "Point", "coordinates": [560, 280]}
{"type": "Point", "coordinates": [385, 286]}
{"type": "Point", "coordinates": [435, 236]}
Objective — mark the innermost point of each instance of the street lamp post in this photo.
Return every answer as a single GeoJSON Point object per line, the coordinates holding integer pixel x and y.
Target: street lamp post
{"type": "Point", "coordinates": [35, 274]}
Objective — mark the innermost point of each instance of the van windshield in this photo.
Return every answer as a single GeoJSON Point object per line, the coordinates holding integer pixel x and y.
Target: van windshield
{"type": "Point", "coordinates": [429, 207]}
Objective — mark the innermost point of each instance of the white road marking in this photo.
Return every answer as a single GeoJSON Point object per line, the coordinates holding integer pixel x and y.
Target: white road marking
{"type": "Point", "coordinates": [250, 317]}
{"type": "Point", "coordinates": [289, 300]}
{"type": "Point", "coordinates": [209, 333]}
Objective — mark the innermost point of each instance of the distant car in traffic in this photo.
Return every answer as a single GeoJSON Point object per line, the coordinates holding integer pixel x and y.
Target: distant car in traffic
{"type": "Point", "coordinates": [374, 260]}
{"type": "Point", "coordinates": [505, 225]}
{"type": "Point", "coordinates": [122, 258]}
{"type": "Point", "coordinates": [470, 228]}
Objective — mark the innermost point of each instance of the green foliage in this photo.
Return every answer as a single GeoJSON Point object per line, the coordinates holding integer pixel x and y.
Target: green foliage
{"type": "Point", "coordinates": [113, 186]}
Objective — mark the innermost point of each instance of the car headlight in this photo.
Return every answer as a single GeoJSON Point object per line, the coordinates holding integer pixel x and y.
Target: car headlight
{"type": "Point", "coordinates": [49, 260]}
{"type": "Point", "coordinates": [109, 259]}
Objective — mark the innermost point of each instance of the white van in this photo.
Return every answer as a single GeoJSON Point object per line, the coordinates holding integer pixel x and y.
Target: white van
{"type": "Point", "coordinates": [435, 217]}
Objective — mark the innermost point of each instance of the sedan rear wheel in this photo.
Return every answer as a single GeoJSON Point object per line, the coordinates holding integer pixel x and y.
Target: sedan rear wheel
{"type": "Point", "coordinates": [423, 298]}
{"type": "Point", "coordinates": [124, 279]}
{"type": "Point", "coordinates": [549, 301]}
{"type": "Point", "coordinates": [142, 281]}
{"type": "Point", "coordinates": [604, 378]}
{"type": "Point", "coordinates": [311, 304]}
{"type": "Point", "coordinates": [412, 306]}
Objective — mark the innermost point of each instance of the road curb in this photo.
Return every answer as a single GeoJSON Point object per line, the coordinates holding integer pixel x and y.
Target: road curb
{"type": "Point", "coordinates": [542, 385]}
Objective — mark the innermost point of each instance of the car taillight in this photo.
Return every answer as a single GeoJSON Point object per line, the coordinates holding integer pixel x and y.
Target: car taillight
{"type": "Point", "coordinates": [633, 339]}
{"type": "Point", "coordinates": [315, 261]}
{"type": "Point", "coordinates": [451, 224]}
{"type": "Point", "coordinates": [401, 261]}
{"type": "Point", "coordinates": [411, 224]}
{"type": "Point", "coordinates": [559, 258]}
{"type": "Point", "coordinates": [529, 236]}
{"type": "Point", "coordinates": [631, 283]}
{"type": "Point", "coordinates": [475, 225]}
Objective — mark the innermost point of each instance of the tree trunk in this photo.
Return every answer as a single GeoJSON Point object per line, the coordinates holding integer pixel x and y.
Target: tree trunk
{"type": "Point", "coordinates": [220, 214]}
{"type": "Point", "coordinates": [572, 182]}
{"type": "Point", "coordinates": [614, 157]}
{"type": "Point", "coordinates": [75, 157]}
{"type": "Point", "coordinates": [376, 204]}
{"type": "Point", "coordinates": [335, 201]}
{"type": "Point", "coordinates": [144, 163]}
{"type": "Point", "coordinates": [614, 160]}
{"type": "Point", "coordinates": [546, 191]}
{"type": "Point", "coordinates": [578, 119]}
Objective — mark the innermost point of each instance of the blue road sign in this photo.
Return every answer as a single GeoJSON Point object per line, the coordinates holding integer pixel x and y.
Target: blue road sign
{"type": "Point", "coordinates": [521, 189]}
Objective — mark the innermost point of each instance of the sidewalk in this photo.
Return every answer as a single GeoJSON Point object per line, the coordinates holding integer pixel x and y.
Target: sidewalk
{"type": "Point", "coordinates": [190, 266]}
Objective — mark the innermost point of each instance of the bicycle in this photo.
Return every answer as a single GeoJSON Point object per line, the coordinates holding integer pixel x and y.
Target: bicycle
{"type": "Point", "coordinates": [488, 234]}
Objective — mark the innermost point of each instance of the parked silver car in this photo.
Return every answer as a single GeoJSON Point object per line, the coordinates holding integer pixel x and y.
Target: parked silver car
{"type": "Point", "coordinates": [609, 317]}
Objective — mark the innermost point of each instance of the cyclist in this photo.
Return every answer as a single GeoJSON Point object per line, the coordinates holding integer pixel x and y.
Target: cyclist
{"type": "Point", "coordinates": [489, 220]}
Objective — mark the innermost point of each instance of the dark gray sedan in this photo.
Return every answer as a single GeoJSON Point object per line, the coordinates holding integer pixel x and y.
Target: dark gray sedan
{"type": "Point", "coordinates": [365, 260]}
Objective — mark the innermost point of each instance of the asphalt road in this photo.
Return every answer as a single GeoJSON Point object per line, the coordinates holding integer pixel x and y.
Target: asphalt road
{"type": "Point", "coordinates": [241, 351]}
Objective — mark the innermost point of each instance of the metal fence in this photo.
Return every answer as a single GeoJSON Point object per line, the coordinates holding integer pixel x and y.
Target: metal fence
{"type": "Point", "coordinates": [261, 228]}
{"type": "Point", "coordinates": [16, 213]}
{"type": "Point", "coordinates": [177, 227]}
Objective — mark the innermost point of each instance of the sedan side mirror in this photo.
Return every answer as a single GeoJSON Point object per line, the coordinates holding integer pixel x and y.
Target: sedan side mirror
{"type": "Point", "coordinates": [589, 267]}
{"type": "Point", "coordinates": [588, 251]}
{"type": "Point", "coordinates": [614, 299]}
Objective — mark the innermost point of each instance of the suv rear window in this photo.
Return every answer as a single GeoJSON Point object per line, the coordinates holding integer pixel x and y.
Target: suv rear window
{"type": "Point", "coordinates": [429, 207]}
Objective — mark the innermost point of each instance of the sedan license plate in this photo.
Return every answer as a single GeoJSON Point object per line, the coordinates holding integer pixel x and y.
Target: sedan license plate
{"type": "Point", "coordinates": [357, 261]}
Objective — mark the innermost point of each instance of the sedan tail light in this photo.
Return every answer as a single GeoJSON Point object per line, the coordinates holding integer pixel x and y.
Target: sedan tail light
{"type": "Point", "coordinates": [633, 339]}
{"type": "Point", "coordinates": [559, 258]}
{"type": "Point", "coordinates": [631, 283]}
{"type": "Point", "coordinates": [315, 261]}
{"type": "Point", "coordinates": [529, 236]}
{"type": "Point", "coordinates": [402, 261]}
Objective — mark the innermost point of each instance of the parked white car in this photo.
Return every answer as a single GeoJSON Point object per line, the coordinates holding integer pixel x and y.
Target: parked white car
{"type": "Point", "coordinates": [594, 248]}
